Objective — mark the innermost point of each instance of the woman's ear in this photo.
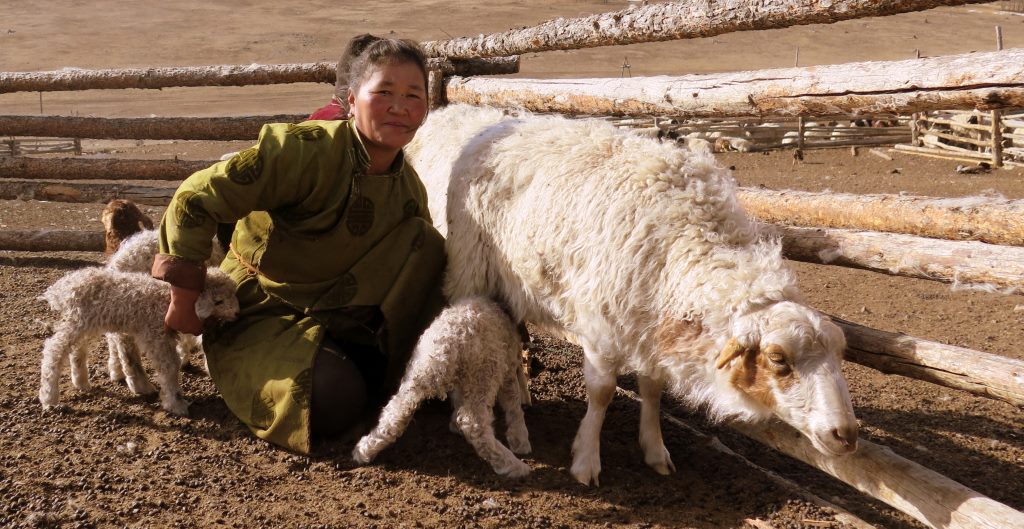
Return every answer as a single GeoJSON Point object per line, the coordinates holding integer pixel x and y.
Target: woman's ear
{"type": "Point", "coordinates": [351, 102]}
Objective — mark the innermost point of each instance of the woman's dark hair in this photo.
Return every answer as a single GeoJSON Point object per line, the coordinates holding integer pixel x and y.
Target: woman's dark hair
{"type": "Point", "coordinates": [355, 46]}
{"type": "Point", "coordinates": [384, 52]}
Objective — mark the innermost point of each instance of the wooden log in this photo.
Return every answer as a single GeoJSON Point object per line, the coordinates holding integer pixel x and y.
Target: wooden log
{"type": "Point", "coordinates": [223, 75]}
{"type": "Point", "coordinates": [995, 221]}
{"type": "Point", "coordinates": [51, 241]}
{"type": "Point", "coordinates": [987, 375]}
{"type": "Point", "coordinates": [966, 126]}
{"type": "Point", "coordinates": [179, 128]}
{"type": "Point", "coordinates": [62, 191]}
{"type": "Point", "coordinates": [941, 154]}
{"type": "Point", "coordinates": [929, 497]}
{"type": "Point", "coordinates": [671, 21]}
{"type": "Point", "coordinates": [959, 262]}
{"type": "Point", "coordinates": [980, 80]}
{"type": "Point", "coordinates": [963, 139]}
{"type": "Point", "coordinates": [103, 169]}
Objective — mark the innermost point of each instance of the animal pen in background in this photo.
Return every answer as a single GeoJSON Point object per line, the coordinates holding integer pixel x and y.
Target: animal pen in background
{"type": "Point", "coordinates": [960, 241]}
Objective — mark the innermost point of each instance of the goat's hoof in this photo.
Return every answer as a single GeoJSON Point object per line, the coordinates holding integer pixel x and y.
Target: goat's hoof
{"type": "Point", "coordinates": [179, 408]}
{"type": "Point", "coordinates": [662, 465]}
{"type": "Point", "coordinates": [586, 473]}
{"type": "Point", "coordinates": [143, 387]}
{"type": "Point", "coordinates": [518, 469]}
{"type": "Point", "coordinates": [362, 454]}
{"type": "Point", "coordinates": [519, 446]}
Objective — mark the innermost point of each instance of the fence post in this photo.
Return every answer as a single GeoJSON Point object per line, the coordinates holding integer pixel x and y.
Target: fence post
{"type": "Point", "coordinates": [78, 146]}
{"type": "Point", "coordinates": [997, 138]}
{"type": "Point", "coordinates": [915, 139]}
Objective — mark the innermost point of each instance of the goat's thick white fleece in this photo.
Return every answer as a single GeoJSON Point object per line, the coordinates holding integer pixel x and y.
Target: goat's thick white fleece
{"type": "Point", "coordinates": [581, 227]}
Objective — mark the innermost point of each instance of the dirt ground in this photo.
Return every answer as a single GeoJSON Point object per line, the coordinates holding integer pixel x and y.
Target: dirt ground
{"type": "Point", "coordinates": [110, 459]}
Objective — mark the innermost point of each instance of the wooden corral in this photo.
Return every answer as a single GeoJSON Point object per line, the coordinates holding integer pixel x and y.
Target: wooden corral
{"type": "Point", "coordinates": [740, 103]}
{"type": "Point", "coordinates": [39, 145]}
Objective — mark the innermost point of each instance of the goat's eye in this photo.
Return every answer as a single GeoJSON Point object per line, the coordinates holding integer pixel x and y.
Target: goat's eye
{"type": "Point", "coordinates": [777, 363]}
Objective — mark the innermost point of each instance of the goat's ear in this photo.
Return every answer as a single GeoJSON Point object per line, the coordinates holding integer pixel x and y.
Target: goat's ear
{"type": "Point", "coordinates": [732, 350]}
{"type": "Point", "coordinates": [204, 307]}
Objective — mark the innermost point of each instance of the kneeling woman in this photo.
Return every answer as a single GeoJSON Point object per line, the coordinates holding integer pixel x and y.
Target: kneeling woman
{"type": "Point", "coordinates": [337, 263]}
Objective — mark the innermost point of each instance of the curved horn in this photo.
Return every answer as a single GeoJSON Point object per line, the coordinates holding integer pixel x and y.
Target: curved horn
{"type": "Point", "coordinates": [732, 350]}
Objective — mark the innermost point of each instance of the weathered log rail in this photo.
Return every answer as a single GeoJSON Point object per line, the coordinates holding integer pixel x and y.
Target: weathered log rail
{"type": "Point", "coordinates": [177, 128]}
{"type": "Point", "coordinates": [985, 219]}
{"type": "Point", "coordinates": [103, 169]}
{"type": "Point", "coordinates": [931, 498]}
{"type": "Point", "coordinates": [221, 75]}
{"type": "Point", "coordinates": [672, 21]}
{"type": "Point", "coordinates": [979, 80]}
{"type": "Point", "coordinates": [962, 263]}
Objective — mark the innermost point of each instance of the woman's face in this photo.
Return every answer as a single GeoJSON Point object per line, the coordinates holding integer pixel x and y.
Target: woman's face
{"type": "Point", "coordinates": [390, 106]}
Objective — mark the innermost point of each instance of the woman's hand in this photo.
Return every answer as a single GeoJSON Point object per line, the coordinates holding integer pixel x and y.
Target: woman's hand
{"type": "Point", "coordinates": [181, 314]}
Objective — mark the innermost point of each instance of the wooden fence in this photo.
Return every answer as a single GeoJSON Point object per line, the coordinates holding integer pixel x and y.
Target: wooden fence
{"type": "Point", "coordinates": [805, 95]}
{"type": "Point", "coordinates": [20, 146]}
{"type": "Point", "coordinates": [995, 137]}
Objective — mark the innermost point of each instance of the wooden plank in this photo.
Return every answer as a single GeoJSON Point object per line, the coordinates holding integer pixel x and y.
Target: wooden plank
{"type": "Point", "coordinates": [222, 75]}
{"type": "Point", "coordinates": [178, 128]}
{"type": "Point", "coordinates": [929, 497]}
{"type": "Point", "coordinates": [102, 169]}
{"type": "Point", "coordinates": [948, 154]}
{"type": "Point", "coordinates": [63, 191]}
{"type": "Point", "coordinates": [987, 375]}
{"type": "Point", "coordinates": [958, 262]}
{"type": "Point", "coordinates": [954, 137]}
{"type": "Point", "coordinates": [980, 80]}
{"type": "Point", "coordinates": [671, 21]}
{"type": "Point", "coordinates": [985, 219]}
{"type": "Point", "coordinates": [51, 241]}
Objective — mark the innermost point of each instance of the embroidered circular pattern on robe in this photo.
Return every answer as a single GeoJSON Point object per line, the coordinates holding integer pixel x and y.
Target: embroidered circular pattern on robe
{"type": "Point", "coordinates": [262, 414]}
{"type": "Point", "coordinates": [189, 211]}
{"type": "Point", "coordinates": [417, 241]}
{"type": "Point", "coordinates": [348, 288]}
{"type": "Point", "coordinates": [360, 216]}
{"type": "Point", "coordinates": [245, 167]}
{"type": "Point", "coordinates": [410, 208]}
{"type": "Point", "coordinates": [302, 387]}
{"type": "Point", "coordinates": [306, 132]}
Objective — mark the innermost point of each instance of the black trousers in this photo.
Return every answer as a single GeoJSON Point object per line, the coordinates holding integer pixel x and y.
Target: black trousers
{"type": "Point", "coordinates": [348, 383]}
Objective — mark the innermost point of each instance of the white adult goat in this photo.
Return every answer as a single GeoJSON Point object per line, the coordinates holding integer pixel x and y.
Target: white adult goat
{"type": "Point", "coordinates": [639, 249]}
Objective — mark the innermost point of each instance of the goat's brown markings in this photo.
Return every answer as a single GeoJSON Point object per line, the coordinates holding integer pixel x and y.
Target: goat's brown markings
{"type": "Point", "coordinates": [754, 377]}
{"type": "Point", "coordinates": [675, 335]}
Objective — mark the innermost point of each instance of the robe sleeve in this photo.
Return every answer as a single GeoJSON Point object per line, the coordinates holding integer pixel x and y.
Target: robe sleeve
{"type": "Point", "coordinates": [269, 175]}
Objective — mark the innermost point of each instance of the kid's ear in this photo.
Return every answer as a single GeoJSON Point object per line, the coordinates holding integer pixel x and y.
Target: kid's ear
{"type": "Point", "coordinates": [204, 307]}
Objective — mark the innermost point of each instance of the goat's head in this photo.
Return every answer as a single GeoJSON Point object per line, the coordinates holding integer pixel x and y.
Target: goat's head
{"type": "Point", "coordinates": [218, 300]}
{"type": "Point", "coordinates": [785, 358]}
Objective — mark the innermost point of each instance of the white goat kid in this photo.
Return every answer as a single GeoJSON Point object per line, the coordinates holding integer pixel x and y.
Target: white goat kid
{"type": "Point", "coordinates": [93, 301]}
{"type": "Point", "coordinates": [135, 254]}
{"type": "Point", "coordinates": [639, 250]}
{"type": "Point", "coordinates": [472, 350]}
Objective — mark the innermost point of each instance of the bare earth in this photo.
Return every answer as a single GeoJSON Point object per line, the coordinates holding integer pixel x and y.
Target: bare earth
{"type": "Point", "coordinates": [109, 459]}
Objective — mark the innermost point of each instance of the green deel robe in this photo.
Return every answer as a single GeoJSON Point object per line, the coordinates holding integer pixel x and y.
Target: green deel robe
{"type": "Point", "coordinates": [324, 237]}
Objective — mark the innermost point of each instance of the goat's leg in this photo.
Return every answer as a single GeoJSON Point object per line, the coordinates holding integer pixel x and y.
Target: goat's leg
{"type": "Point", "coordinates": [189, 346]}
{"type": "Point", "coordinates": [651, 442]}
{"type": "Point", "coordinates": [131, 364]}
{"type": "Point", "coordinates": [164, 357]}
{"type": "Point", "coordinates": [511, 401]}
{"type": "Point", "coordinates": [394, 419]}
{"type": "Point", "coordinates": [114, 370]}
{"type": "Point", "coordinates": [55, 350]}
{"type": "Point", "coordinates": [586, 448]}
{"type": "Point", "coordinates": [475, 418]}
{"type": "Point", "coordinates": [80, 368]}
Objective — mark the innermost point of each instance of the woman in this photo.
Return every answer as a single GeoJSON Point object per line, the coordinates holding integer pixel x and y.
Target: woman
{"type": "Point", "coordinates": [337, 264]}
